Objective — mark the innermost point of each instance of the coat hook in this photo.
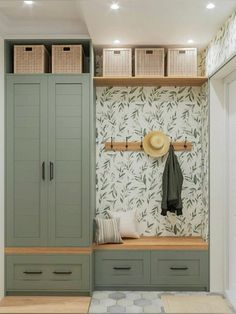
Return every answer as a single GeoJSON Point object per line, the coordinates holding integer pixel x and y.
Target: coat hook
{"type": "Point", "coordinates": [185, 143]}
{"type": "Point", "coordinates": [141, 143]}
{"type": "Point", "coordinates": [126, 145]}
{"type": "Point", "coordinates": [111, 143]}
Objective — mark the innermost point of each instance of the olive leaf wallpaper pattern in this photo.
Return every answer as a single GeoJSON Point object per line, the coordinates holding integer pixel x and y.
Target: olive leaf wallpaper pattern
{"type": "Point", "coordinates": [223, 45]}
{"type": "Point", "coordinates": [132, 180]}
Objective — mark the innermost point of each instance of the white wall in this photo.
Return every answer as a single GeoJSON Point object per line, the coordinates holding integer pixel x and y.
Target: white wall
{"type": "Point", "coordinates": [1, 167]}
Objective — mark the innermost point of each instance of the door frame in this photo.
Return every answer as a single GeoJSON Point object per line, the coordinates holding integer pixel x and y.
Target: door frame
{"type": "Point", "coordinates": [230, 294]}
{"type": "Point", "coordinates": [218, 103]}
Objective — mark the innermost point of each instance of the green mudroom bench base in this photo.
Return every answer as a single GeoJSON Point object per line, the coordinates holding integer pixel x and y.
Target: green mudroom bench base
{"type": "Point", "coordinates": [48, 274]}
{"type": "Point", "coordinates": [153, 264]}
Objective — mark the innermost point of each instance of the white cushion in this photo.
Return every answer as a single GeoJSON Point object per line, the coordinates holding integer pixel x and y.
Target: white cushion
{"type": "Point", "coordinates": [128, 224]}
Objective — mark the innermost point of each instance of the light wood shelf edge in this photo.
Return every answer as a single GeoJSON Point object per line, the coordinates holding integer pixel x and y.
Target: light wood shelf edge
{"type": "Point", "coordinates": [150, 81]}
{"type": "Point", "coordinates": [48, 250]}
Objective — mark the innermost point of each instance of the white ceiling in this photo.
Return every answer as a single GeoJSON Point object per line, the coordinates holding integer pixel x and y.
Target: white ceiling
{"type": "Point", "coordinates": [44, 17]}
{"type": "Point", "coordinates": [138, 22]}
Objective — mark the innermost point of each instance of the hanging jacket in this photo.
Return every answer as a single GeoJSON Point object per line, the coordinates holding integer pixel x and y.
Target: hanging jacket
{"type": "Point", "coordinates": [172, 182]}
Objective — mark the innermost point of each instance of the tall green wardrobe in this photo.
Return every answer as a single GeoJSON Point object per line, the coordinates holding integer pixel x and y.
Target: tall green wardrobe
{"type": "Point", "coordinates": [48, 183]}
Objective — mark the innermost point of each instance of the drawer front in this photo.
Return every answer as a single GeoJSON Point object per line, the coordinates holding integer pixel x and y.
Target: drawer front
{"type": "Point", "coordinates": [48, 272]}
{"type": "Point", "coordinates": [122, 268]}
{"type": "Point", "coordinates": [179, 268]}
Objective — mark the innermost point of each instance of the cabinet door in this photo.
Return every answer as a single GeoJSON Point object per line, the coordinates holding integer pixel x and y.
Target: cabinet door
{"type": "Point", "coordinates": [69, 160]}
{"type": "Point", "coordinates": [26, 144]}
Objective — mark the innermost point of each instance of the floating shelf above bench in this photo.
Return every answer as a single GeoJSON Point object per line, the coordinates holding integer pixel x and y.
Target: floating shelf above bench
{"type": "Point", "coordinates": [150, 81]}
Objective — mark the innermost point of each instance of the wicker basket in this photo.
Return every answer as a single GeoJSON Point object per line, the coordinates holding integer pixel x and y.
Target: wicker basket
{"type": "Point", "coordinates": [31, 59]}
{"type": "Point", "coordinates": [67, 58]}
{"type": "Point", "coordinates": [182, 62]}
{"type": "Point", "coordinates": [117, 62]}
{"type": "Point", "coordinates": [149, 62]}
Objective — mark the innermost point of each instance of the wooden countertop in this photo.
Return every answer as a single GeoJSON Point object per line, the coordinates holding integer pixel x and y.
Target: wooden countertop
{"type": "Point", "coordinates": [157, 243]}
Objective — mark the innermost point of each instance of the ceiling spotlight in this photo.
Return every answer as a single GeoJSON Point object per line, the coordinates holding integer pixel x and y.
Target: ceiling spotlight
{"type": "Point", "coordinates": [190, 41]}
{"type": "Point", "coordinates": [116, 42]}
{"type": "Point", "coordinates": [29, 2]}
{"type": "Point", "coordinates": [210, 6]}
{"type": "Point", "coordinates": [115, 6]}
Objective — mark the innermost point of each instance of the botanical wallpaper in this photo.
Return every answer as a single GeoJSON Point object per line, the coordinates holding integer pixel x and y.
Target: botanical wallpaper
{"type": "Point", "coordinates": [132, 180]}
{"type": "Point", "coordinates": [223, 45]}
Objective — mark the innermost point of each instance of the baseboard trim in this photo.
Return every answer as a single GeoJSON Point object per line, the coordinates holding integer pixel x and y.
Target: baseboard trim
{"type": "Point", "coordinates": [231, 296]}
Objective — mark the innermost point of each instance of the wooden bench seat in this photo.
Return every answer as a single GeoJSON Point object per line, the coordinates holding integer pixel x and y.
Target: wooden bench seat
{"type": "Point", "coordinates": [157, 243]}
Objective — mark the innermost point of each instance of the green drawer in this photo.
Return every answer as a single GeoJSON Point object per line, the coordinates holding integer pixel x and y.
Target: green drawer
{"type": "Point", "coordinates": [122, 268]}
{"type": "Point", "coordinates": [48, 272]}
{"type": "Point", "coordinates": [179, 268]}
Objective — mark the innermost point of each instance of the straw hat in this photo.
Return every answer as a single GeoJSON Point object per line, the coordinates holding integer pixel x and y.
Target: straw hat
{"type": "Point", "coordinates": [156, 144]}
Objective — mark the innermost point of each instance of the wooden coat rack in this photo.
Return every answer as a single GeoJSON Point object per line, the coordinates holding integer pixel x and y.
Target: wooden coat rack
{"type": "Point", "coordinates": [138, 146]}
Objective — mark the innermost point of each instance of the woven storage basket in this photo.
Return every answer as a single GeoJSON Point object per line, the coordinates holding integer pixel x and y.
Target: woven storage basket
{"type": "Point", "coordinates": [31, 59]}
{"type": "Point", "coordinates": [67, 58]}
{"type": "Point", "coordinates": [182, 62]}
{"type": "Point", "coordinates": [149, 62]}
{"type": "Point", "coordinates": [117, 62]}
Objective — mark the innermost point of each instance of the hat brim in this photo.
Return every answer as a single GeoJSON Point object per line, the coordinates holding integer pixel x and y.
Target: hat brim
{"type": "Point", "coordinates": [151, 151]}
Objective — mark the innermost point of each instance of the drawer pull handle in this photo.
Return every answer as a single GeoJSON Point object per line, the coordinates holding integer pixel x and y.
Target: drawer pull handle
{"type": "Point", "coordinates": [51, 170]}
{"type": "Point", "coordinates": [43, 171]}
{"type": "Point", "coordinates": [122, 268]}
{"type": "Point", "coordinates": [33, 272]}
{"type": "Point", "coordinates": [178, 268]}
{"type": "Point", "coordinates": [62, 272]}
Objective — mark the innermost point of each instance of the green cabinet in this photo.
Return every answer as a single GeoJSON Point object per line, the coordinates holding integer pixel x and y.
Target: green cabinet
{"type": "Point", "coordinates": [119, 268]}
{"type": "Point", "coordinates": [48, 160]}
{"type": "Point", "coordinates": [151, 269]}
{"type": "Point", "coordinates": [48, 273]}
{"type": "Point", "coordinates": [179, 268]}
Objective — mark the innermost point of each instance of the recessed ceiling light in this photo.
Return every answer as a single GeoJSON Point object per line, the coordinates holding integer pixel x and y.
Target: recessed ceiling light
{"type": "Point", "coordinates": [29, 2]}
{"type": "Point", "coordinates": [115, 6]}
{"type": "Point", "coordinates": [116, 42]}
{"type": "Point", "coordinates": [190, 41]}
{"type": "Point", "coordinates": [210, 6]}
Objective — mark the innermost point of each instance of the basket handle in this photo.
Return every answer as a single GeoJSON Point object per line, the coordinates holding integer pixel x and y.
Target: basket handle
{"type": "Point", "coordinates": [28, 48]}
{"type": "Point", "coordinates": [116, 52]}
{"type": "Point", "coordinates": [182, 51]}
{"type": "Point", "coordinates": [149, 52]}
{"type": "Point", "coordinates": [66, 48]}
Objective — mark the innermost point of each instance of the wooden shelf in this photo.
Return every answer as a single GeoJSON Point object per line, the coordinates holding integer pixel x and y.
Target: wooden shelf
{"type": "Point", "coordinates": [150, 81]}
{"type": "Point", "coordinates": [157, 243]}
{"type": "Point", "coordinates": [48, 250]}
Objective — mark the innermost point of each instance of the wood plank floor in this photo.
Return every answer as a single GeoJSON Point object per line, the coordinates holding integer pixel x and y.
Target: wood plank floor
{"type": "Point", "coordinates": [24, 304]}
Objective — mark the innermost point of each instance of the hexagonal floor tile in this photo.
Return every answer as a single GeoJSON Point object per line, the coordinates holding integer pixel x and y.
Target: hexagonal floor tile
{"type": "Point", "coordinates": [108, 302]}
{"type": "Point", "coordinates": [125, 302]}
{"type": "Point", "coordinates": [134, 309]}
{"type": "Point", "coordinates": [133, 295]}
{"type": "Point", "coordinates": [101, 294]}
{"type": "Point", "coordinates": [117, 295]}
{"type": "Point", "coordinates": [150, 295]}
{"type": "Point", "coordinates": [142, 302]}
{"type": "Point", "coordinates": [98, 309]}
{"type": "Point", "coordinates": [116, 309]}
